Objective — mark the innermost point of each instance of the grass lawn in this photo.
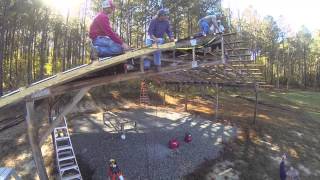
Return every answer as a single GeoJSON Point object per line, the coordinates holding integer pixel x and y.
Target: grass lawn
{"type": "Point", "coordinates": [308, 101]}
{"type": "Point", "coordinates": [287, 123]}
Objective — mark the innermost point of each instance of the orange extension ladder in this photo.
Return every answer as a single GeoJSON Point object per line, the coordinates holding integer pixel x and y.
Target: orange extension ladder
{"type": "Point", "coordinates": [144, 97]}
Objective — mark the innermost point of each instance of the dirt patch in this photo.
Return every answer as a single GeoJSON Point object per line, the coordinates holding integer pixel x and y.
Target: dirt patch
{"type": "Point", "coordinates": [16, 153]}
{"type": "Point", "coordinates": [278, 130]}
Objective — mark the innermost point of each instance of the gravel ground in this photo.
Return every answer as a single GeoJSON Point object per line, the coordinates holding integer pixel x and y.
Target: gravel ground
{"type": "Point", "coordinates": [144, 153]}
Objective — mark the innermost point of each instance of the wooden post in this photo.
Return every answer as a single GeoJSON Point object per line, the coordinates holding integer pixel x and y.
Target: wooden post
{"type": "Point", "coordinates": [289, 70]}
{"type": "Point", "coordinates": [50, 115]}
{"type": "Point", "coordinates": [256, 103]}
{"type": "Point", "coordinates": [125, 67]}
{"type": "Point", "coordinates": [34, 141]}
{"type": "Point", "coordinates": [194, 61]}
{"type": "Point", "coordinates": [193, 53]}
{"type": "Point", "coordinates": [186, 101]}
{"type": "Point", "coordinates": [164, 95]}
{"type": "Point", "coordinates": [222, 50]}
{"type": "Point", "coordinates": [217, 101]}
{"type": "Point", "coordinates": [142, 64]}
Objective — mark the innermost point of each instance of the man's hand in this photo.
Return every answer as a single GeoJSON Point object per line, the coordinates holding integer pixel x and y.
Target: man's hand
{"type": "Point", "coordinates": [125, 47]}
{"type": "Point", "coordinates": [155, 45]}
{"type": "Point", "coordinates": [172, 40]}
{"type": "Point", "coordinates": [156, 40]}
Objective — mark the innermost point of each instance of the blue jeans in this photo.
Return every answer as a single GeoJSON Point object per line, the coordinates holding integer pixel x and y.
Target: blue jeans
{"type": "Point", "coordinates": [156, 55]}
{"type": "Point", "coordinates": [106, 46]}
{"type": "Point", "coordinates": [204, 26]}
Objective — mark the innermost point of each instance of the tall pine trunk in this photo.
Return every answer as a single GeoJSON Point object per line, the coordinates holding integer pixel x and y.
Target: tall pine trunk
{"type": "Point", "coordinates": [1, 59]}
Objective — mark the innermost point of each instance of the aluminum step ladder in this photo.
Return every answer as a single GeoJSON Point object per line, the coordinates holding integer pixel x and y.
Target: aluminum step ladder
{"type": "Point", "coordinates": [66, 159]}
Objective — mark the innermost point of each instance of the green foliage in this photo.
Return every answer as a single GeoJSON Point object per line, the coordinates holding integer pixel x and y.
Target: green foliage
{"type": "Point", "coordinates": [37, 41]}
{"type": "Point", "coordinates": [290, 59]}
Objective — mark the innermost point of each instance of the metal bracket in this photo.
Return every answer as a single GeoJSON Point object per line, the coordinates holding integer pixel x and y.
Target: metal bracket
{"type": "Point", "coordinates": [193, 42]}
{"type": "Point", "coordinates": [41, 94]}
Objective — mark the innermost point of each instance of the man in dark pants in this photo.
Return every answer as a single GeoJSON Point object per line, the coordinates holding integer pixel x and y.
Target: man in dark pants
{"type": "Point", "coordinates": [283, 174]}
{"type": "Point", "coordinates": [158, 27]}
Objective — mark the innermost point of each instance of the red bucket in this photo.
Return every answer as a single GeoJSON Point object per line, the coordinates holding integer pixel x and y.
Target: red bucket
{"type": "Point", "coordinates": [174, 144]}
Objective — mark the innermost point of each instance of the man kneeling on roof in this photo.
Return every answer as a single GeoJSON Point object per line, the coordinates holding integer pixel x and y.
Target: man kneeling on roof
{"type": "Point", "coordinates": [158, 27]}
{"type": "Point", "coordinates": [104, 40]}
{"type": "Point", "coordinates": [209, 24]}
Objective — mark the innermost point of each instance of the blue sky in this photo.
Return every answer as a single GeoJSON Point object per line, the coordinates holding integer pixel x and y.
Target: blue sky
{"type": "Point", "coordinates": [295, 12]}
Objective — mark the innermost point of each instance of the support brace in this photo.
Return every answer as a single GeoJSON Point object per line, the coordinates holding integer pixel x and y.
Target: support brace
{"type": "Point", "coordinates": [66, 110]}
{"type": "Point", "coordinates": [222, 50]}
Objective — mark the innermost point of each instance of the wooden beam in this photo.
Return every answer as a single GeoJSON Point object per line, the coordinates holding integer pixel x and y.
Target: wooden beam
{"type": "Point", "coordinates": [185, 100]}
{"type": "Point", "coordinates": [256, 103]}
{"type": "Point", "coordinates": [216, 72]}
{"type": "Point", "coordinates": [173, 60]}
{"type": "Point", "coordinates": [236, 42]}
{"type": "Point", "coordinates": [98, 81]}
{"type": "Point", "coordinates": [141, 65]}
{"type": "Point", "coordinates": [66, 110]}
{"type": "Point", "coordinates": [240, 55]}
{"type": "Point", "coordinates": [227, 76]}
{"type": "Point", "coordinates": [164, 94]}
{"type": "Point", "coordinates": [63, 78]}
{"type": "Point", "coordinates": [229, 34]}
{"type": "Point", "coordinates": [235, 61]}
{"type": "Point", "coordinates": [217, 101]}
{"type": "Point", "coordinates": [33, 131]}
{"type": "Point", "coordinates": [222, 51]}
{"type": "Point", "coordinates": [233, 50]}
{"type": "Point", "coordinates": [237, 72]}
{"type": "Point", "coordinates": [197, 84]}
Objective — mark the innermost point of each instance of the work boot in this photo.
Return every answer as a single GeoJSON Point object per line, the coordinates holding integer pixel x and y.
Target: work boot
{"type": "Point", "coordinates": [93, 54]}
{"type": "Point", "coordinates": [129, 67]}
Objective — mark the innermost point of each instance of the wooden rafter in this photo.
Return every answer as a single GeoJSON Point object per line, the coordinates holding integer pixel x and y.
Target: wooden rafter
{"type": "Point", "coordinates": [65, 111]}
{"type": "Point", "coordinates": [40, 89]}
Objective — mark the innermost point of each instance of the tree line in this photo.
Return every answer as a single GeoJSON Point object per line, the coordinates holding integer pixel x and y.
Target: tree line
{"type": "Point", "coordinates": [291, 59]}
{"type": "Point", "coordinates": [36, 41]}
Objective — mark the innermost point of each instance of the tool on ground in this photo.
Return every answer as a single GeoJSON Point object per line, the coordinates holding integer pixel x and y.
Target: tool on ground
{"type": "Point", "coordinates": [114, 171]}
{"type": "Point", "coordinates": [187, 138]}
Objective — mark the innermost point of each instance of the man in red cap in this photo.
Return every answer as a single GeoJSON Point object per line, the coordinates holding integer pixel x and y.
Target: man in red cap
{"type": "Point", "coordinates": [105, 41]}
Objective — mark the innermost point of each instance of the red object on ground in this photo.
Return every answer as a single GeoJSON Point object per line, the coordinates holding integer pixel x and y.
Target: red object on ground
{"type": "Point", "coordinates": [187, 138]}
{"type": "Point", "coordinates": [114, 173]}
{"type": "Point", "coordinates": [174, 144]}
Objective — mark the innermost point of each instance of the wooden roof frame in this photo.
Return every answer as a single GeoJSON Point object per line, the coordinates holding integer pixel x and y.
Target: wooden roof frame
{"type": "Point", "coordinates": [72, 80]}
